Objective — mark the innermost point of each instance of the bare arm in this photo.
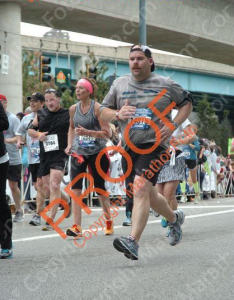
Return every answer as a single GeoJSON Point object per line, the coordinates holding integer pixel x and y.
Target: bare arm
{"type": "Point", "coordinates": [182, 115]}
{"type": "Point", "coordinates": [41, 136]}
{"type": "Point", "coordinates": [20, 141]}
{"type": "Point", "coordinates": [71, 131]}
{"type": "Point", "coordinates": [125, 113]}
{"type": "Point", "coordinates": [11, 140]}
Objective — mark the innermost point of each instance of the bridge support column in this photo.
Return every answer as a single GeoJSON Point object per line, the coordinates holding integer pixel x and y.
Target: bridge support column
{"type": "Point", "coordinates": [10, 42]}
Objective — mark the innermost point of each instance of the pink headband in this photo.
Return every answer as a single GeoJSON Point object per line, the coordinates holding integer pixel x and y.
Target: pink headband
{"type": "Point", "coordinates": [86, 84]}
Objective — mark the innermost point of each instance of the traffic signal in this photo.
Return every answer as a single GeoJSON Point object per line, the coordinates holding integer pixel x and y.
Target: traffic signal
{"type": "Point", "coordinates": [91, 72]}
{"type": "Point", "coordinates": [45, 69]}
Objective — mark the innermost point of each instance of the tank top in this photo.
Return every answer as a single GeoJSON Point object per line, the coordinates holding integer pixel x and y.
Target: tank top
{"type": "Point", "coordinates": [87, 145]}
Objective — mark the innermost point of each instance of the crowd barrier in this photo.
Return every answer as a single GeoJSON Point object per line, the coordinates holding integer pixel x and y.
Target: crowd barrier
{"type": "Point", "coordinates": [214, 185]}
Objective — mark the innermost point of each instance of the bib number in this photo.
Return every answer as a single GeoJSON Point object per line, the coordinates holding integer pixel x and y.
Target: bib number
{"type": "Point", "coordinates": [144, 113]}
{"type": "Point", "coordinates": [51, 143]}
{"type": "Point", "coordinates": [187, 154]}
{"type": "Point", "coordinates": [86, 141]}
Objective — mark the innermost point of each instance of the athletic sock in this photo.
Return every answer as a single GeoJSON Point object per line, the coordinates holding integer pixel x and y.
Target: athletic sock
{"type": "Point", "coordinates": [183, 187]}
{"type": "Point", "coordinates": [196, 187]}
{"type": "Point", "coordinates": [207, 168]}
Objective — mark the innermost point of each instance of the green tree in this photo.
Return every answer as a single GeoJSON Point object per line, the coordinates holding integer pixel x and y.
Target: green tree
{"type": "Point", "coordinates": [225, 132]}
{"type": "Point", "coordinates": [208, 124]}
{"type": "Point", "coordinates": [30, 72]}
{"type": "Point", "coordinates": [102, 83]}
{"type": "Point", "coordinates": [67, 100]}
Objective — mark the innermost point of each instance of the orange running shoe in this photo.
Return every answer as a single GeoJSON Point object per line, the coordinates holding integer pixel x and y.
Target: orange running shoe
{"type": "Point", "coordinates": [109, 227]}
{"type": "Point", "coordinates": [75, 231]}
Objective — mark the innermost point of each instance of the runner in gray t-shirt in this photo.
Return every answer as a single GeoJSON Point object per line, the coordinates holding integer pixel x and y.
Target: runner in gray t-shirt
{"type": "Point", "coordinates": [141, 98]}
{"type": "Point", "coordinates": [36, 102]}
{"type": "Point", "coordinates": [14, 170]}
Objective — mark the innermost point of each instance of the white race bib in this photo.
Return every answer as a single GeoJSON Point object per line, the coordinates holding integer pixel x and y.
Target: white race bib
{"type": "Point", "coordinates": [51, 143]}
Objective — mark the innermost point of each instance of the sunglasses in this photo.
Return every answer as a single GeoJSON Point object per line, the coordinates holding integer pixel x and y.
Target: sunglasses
{"type": "Point", "coordinates": [57, 94]}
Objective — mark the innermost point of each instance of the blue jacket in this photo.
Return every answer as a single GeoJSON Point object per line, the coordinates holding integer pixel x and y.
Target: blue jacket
{"type": "Point", "coordinates": [191, 153]}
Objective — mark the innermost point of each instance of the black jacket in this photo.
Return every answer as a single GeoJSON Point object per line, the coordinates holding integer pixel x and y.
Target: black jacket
{"type": "Point", "coordinates": [4, 124]}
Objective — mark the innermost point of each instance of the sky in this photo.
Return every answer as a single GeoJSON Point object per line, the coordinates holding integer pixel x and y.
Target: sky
{"type": "Point", "coordinates": [39, 31]}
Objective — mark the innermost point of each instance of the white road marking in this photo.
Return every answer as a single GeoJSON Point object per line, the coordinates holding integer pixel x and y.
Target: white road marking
{"type": "Point", "coordinates": [120, 226]}
{"type": "Point", "coordinates": [183, 207]}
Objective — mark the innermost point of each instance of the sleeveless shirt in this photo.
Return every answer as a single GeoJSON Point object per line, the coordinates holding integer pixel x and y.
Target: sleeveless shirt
{"type": "Point", "coordinates": [87, 145]}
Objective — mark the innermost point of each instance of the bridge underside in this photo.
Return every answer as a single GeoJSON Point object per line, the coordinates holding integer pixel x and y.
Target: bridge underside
{"type": "Point", "coordinates": [93, 23]}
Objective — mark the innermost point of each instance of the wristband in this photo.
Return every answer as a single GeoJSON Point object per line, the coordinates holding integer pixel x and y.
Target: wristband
{"type": "Point", "coordinates": [175, 124]}
{"type": "Point", "coordinates": [39, 133]}
{"type": "Point", "coordinates": [117, 115]}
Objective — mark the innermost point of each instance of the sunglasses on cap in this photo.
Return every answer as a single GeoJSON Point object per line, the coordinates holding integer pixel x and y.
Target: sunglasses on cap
{"type": "Point", "coordinates": [142, 48]}
{"type": "Point", "coordinates": [48, 91]}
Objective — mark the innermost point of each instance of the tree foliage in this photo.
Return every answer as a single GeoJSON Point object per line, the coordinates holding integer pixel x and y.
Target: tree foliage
{"type": "Point", "coordinates": [67, 99]}
{"type": "Point", "coordinates": [30, 72]}
{"type": "Point", "coordinates": [225, 132]}
{"type": "Point", "coordinates": [102, 83]}
{"type": "Point", "coordinates": [32, 84]}
{"type": "Point", "coordinates": [209, 126]}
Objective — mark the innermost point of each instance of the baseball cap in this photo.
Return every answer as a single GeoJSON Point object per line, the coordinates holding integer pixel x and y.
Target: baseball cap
{"type": "Point", "coordinates": [36, 96]}
{"type": "Point", "coordinates": [147, 52]}
{"type": "Point", "coordinates": [2, 97]}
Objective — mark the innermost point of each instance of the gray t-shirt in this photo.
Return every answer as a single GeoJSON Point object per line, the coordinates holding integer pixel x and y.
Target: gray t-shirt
{"type": "Point", "coordinates": [141, 94]}
{"type": "Point", "coordinates": [12, 149]}
{"type": "Point", "coordinates": [32, 144]}
{"type": "Point", "coordinates": [86, 145]}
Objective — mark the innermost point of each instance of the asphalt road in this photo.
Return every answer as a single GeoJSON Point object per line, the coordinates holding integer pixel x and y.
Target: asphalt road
{"type": "Point", "coordinates": [46, 266]}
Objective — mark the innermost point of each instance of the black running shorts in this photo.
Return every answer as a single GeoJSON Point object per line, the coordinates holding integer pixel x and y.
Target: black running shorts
{"type": "Point", "coordinates": [90, 162]}
{"type": "Point", "coordinates": [146, 165]}
{"type": "Point", "coordinates": [14, 173]}
{"type": "Point", "coordinates": [60, 165]}
{"type": "Point", "coordinates": [36, 172]}
{"type": "Point", "coordinates": [191, 163]}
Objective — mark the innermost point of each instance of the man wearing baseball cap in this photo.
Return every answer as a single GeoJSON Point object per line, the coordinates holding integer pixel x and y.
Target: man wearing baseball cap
{"type": "Point", "coordinates": [36, 102]}
{"type": "Point", "coordinates": [142, 102]}
{"type": "Point", "coordinates": [14, 170]}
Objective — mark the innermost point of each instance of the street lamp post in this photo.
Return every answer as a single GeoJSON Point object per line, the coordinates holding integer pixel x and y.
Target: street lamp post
{"type": "Point", "coordinates": [142, 28]}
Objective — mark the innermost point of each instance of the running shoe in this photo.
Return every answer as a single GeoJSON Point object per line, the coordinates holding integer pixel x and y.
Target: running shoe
{"type": "Point", "coordinates": [164, 222]}
{"type": "Point", "coordinates": [18, 217]}
{"type": "Point", "coordinates": [109, 227]}
{"type": "Point", "coordinates": [36, 220]}
{"type": "Point", "coordinates": [47, 227]}
{"type": "Point", "coordinates": [156, 214]}
{"type": "Point", "coordinates": [75, 231]}
{"type": "Point", "coordinates": [168, 231]}
{"type": "Point", "coordinates": [197, 199]}
{"type": "Point", "coordinates": [175, 234]}
{"type": "Point", "coordinates": [128, 220]}
{"type": "Point", "coordinates": [6, 253]}
{"type": "Point", "coordinates": [128, 246]}
{"type": "Point", "coordinates": [183, 199]}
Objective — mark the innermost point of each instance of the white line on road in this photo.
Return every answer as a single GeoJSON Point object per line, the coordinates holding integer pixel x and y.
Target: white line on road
{"type": "Point", "coordinates": [120, 226]}
{"type": "Point", "coordinates": [184, 207]}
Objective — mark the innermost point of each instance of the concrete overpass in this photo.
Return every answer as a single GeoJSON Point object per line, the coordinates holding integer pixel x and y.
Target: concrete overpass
{"type": "Point", "coordinates": [196, 75]}
{"type": "Point", "coordinates": [197, 28]}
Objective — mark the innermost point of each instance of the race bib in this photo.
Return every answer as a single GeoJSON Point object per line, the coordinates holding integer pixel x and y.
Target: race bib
{"type": "Point", "coordinates": [86, 141]}
{"type": "Point", "coordinates": [144, 113]}
{"type": "Point", "coordinates": [51, 143]}
{"type": "Point", "coordinates": [34, 152]}
{"type": "Point", "coordinates": [186, 154]}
